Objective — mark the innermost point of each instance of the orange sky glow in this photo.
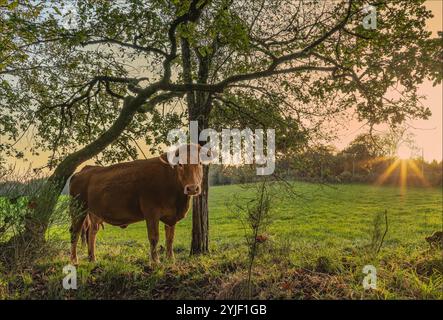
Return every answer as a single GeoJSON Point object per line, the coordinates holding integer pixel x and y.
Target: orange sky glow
{"type": "Point", "coordinates": [428, 134]}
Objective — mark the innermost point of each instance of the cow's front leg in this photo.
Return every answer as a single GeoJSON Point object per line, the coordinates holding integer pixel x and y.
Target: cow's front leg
{"type": "Point", "coordinates": [169, 235]}
{"type": "Point", "coordinates": [152, 224]}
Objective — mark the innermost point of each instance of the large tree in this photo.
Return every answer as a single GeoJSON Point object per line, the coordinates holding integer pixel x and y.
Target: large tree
{"type": "Point", "coordinates": [94, 82]}
{"type": "Point", "coordinates": [306, 62]}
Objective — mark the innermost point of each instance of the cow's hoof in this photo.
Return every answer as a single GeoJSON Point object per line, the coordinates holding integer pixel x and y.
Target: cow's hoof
{"type": "Point", "coordinates": [92, 259]}
{"type": "Point", "coordinates": [74, 261]}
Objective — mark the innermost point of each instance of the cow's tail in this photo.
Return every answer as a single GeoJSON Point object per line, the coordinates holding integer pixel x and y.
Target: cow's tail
{"type": "Point", "coordinates": [67, 186]}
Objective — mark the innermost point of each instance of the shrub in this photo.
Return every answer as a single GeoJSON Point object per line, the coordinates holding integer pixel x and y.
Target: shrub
{"type": "Point", "coordinates": [22, 208]}
{"type": "Point", "coordinates": [345, 176]}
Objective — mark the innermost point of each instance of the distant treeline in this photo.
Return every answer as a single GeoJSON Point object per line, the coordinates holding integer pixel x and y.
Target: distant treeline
{"type": "Point", "coordinates": [363, 161]}
{"type": "Point", "coordinates": [338, 170]}
{"type": "Point", "coordinates": [14, 188]}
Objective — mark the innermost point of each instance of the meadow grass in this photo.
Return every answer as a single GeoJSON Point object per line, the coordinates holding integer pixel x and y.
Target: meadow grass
{"type": "Point", "coordinates": [319, 243]}
{"type": "Point", "coordinates": [337, 216]}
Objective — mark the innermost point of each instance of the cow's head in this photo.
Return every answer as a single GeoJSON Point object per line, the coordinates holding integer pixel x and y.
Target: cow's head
{"type": "Point", "coordinates": [187, 162]}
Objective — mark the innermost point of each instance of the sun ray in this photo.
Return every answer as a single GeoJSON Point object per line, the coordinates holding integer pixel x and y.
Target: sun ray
{"type": "Point", "coordinates": [388, 172]}
{"type": "Point", "coordinates": [419, 174]}
{"type": "Point", "coordinates": [403, 175]}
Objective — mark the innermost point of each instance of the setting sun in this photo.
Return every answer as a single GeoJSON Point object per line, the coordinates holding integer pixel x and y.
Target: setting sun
{"type": "Point", "coordinates": [404, 152]}
{"type": "Point", "coordinates": [403, 165]}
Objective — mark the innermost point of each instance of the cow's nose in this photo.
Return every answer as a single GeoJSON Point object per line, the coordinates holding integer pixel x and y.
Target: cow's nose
{"type": "Point", "coordinates": [191, 189]}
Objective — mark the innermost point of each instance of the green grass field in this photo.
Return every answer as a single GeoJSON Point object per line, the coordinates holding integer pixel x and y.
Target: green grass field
{"type": "Point", "coordinates": [327, 216]}
{"type": "Point", "coordinates": [318, 245]}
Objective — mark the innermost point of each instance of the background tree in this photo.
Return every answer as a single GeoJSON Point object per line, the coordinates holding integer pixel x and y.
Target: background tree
{"type": "Point", "coordinates": [16, 35]}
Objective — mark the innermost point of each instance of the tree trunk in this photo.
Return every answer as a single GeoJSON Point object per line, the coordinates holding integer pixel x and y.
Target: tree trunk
{"type": "Point", "coordinates": [199, 109]}
{"type": "Point", "coordinates": [200, 218]}
{"type": "Point", "coordinates": [200, 209]}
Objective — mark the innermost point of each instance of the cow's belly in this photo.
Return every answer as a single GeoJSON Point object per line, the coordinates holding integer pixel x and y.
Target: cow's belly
{"type": "Point", "coordinates": [120, 222]}
{"type": "Point", "coordinates": [115, 206]}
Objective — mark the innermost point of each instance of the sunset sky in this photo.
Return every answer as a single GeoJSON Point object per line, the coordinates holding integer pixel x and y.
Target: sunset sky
{"type": "Point", "coordinates": [428, 133]}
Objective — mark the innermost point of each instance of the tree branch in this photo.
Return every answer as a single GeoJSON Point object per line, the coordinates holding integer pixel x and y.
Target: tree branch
{"type": "Point", "coordinates": [161, 98]}
{"type": "Point", "coordinates": [220, 86]}
{"type": "Point", "coordinates": [191, 15]}
{"type": "Point", "coordinates": [147, 49]}
{"type": "Point", "coordinates": [271, 70]}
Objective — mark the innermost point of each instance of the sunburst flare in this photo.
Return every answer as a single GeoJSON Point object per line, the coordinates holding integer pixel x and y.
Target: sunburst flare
{"type": "Point", "coordinates": [403, 165]}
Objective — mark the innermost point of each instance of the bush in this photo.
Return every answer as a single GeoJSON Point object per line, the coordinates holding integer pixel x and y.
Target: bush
{"type": "Point", "coordinates": [345, 176]}
{"type": "Point", "coordinates": [22, 208]}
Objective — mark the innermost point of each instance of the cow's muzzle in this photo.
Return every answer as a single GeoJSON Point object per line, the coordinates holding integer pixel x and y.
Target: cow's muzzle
{"type": "Point", "coordinates": [192, 189]}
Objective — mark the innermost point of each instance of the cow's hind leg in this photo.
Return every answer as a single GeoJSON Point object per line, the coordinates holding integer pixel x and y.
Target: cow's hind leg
{"type": "Point", "coordinates": [169, 235]}
{"type": "Point", "coordinates": [153, 235]}
{"type": "Point", "coordinates": [92, 235]}
{"type": "Point", "coordinates": [77, 219]}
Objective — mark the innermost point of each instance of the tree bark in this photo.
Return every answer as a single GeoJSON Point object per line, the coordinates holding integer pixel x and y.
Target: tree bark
{"type": "Point", "coordinates": [200, 209]}
{"type": "Point", "coordinates": [200, 218]}
{"type": "Point", "coordinates": [199, 108]}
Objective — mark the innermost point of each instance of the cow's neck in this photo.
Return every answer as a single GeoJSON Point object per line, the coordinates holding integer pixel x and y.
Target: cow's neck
{"type": "Point", "coordinates": [182, 205]}
{"type": "Point", "coordinates": [185, 199]}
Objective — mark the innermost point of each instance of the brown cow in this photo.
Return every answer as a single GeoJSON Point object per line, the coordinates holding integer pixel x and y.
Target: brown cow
{"type": "Point", "coordinates": [152, 190]}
